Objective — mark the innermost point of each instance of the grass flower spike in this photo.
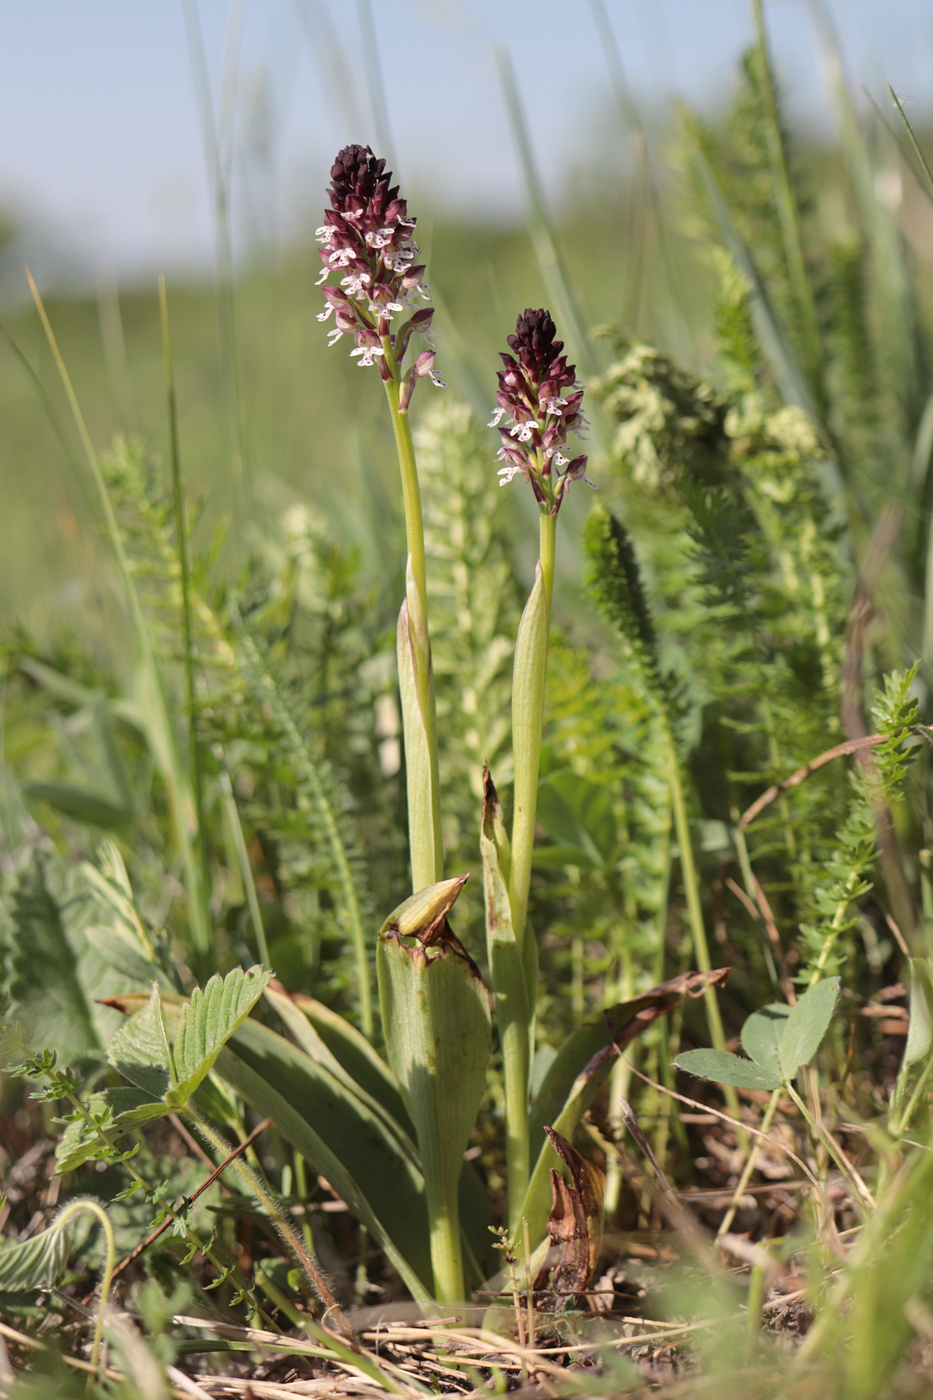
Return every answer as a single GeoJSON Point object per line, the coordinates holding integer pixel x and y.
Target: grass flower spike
{"type": "Point", "coordinates": [538, 392]}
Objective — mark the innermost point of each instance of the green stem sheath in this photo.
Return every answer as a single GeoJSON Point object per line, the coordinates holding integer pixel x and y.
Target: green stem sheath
{"type": "Point", "coordinates": [528, 688]}
{"type": "Point", "coordinates": [531, 651]}
{"type": "Point", "coordinates": [419, 717]}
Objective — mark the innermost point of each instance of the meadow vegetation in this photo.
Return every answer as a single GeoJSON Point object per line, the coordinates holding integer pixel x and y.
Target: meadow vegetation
{"type": "Point", "coordinates": [656, 1116]}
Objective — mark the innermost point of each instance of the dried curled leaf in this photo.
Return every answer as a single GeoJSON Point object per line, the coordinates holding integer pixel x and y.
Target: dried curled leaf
{"type": "Point", "coordinates": [575, 1223]}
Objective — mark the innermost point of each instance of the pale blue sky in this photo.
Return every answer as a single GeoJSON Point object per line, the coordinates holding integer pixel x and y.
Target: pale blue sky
{"type": "Point", "coordinates": [103, 146]}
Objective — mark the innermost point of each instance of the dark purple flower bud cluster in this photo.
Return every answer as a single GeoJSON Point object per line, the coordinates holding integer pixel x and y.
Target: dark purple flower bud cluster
{"type": "Point", "coordinates": [367, 237]}
{"type": "Point", "coordinates": [539, 394]}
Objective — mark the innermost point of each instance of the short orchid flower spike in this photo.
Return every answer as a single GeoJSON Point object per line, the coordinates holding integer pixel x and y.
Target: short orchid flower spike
{"type": "Point", "coordinates": [367, 241]}
{"type": "Point", "coordinates": [541, 401]}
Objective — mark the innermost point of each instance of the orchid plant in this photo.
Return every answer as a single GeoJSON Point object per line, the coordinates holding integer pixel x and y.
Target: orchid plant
{"type": "Point", "coordinates": [389, 1134]}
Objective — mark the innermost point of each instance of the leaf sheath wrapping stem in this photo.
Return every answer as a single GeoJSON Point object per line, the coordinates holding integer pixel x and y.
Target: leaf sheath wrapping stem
{"type": "Point", "coordinates": [514, 986]}
{"type": "Point", "coordinates": [416, 688]}
{"type": "Point", "coordinates": [436, 1021]}
{"type": "Point", "coordinates": [528, 681]}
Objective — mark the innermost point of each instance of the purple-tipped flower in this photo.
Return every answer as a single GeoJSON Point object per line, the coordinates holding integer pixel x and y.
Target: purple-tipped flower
{"type": "Point", "coordinates": [539, 395]}
{"type": "Point", "coordinates": [367, 239]}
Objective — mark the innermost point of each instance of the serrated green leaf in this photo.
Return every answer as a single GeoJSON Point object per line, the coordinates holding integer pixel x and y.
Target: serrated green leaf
{"type": "Point", "coordinates": [807, 1024]}
{"type": "Point", "coordinates": [723, 1068]}
{"type": "Point", "coordinates": [35, 1263]}
{"type": "Point", "coordinates": [48, 994]}
{"type": "Point", "coordinates": [126, 1108]}
{"type": "Point", "coordinates": [140, 1052]}
{"type": "Point", "coordinates": [208, 1020]}
{"type": "Point", "coordinates": [761, 1036]}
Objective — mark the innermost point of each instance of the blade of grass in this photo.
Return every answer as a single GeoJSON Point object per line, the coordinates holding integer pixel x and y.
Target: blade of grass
{"type": "Point", "coordinates": [789, 217]}
{"type": "Point", "coordinates": [181, 542]}
{"type": "Point", "coordinates": [217, 135]}
{"type": "Point", "coordinates": [550, 259]}
{"type": "Point", "coordinates": [162, 735]}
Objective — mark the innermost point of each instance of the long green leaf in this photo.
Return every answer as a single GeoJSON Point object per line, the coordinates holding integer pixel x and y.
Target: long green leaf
{"type": "Point", "coordinates": [340, 1139]}
{"type": "Point", "coordinates": [356, 1056]}
{"type": "Point", "coordinates": [435, 1016]}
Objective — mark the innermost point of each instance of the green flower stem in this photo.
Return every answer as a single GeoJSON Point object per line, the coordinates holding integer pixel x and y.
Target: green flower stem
{"type": "Point", "coordinates": [296, 1246]}
{"type": "Point", "coordinates": [528, 687]}
{"type": "Point", "coordinates": [96, 1209]}
{"type": "Point", "coordinates": [419, 716]}
{"type": "Point", "coordinates": [860, 1190]}
{"type": "Point", "coordinates": [692, 891]}
{"type": "Point", "coordinates": [531, 649]}
{"type": "Point", "coordinates": [750, 1164]}
{"type": "Point", "coordinates": [688, 872]}
{"type": "Point", "coordinates": [516, 1074]}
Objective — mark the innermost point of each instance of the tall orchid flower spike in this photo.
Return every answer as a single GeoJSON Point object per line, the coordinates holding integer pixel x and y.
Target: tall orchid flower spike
{"type": "Point", "coordinates": [367, 240]}
{"type": "Point", "coordinates": [541, 401]}
{"type": "Point", "coordinates": [540, 404]}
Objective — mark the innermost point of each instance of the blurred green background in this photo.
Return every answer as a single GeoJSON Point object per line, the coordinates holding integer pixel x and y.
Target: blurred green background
{"type": "Point", "coordinates": [270, 415]}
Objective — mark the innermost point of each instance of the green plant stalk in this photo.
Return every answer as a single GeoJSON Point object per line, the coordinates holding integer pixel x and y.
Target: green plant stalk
{"type": "Point", "coordinates": [96, 1209]}
{"type": "Point", "coordinates": [694, 907]}
{"type": "Point", "coordinates": [900, 1124]}
{"type": "Point", "coordinates": [516, 1074]}
{"type": "Point", "coordinates": [691, 882]}
{"type": "Point", "coordinates": [835, 927]}
{"type": "Point", "coordinates": [789, 218]}
{"type": "Point", "coordinates": [296, 1246]}
{"type": "Point", "coordinates": [858, 1186]}
{"type": "Point", "coordinates": [419, 720]}
{"type": "Point", "coordinates": [184, 564]}
{"type": "Point", "coordinates": [513, 980]}
{"type": "Point", "coordinates": [531, 651]}
{"type": "Point", "coordinates": [165, 743]}
{"type": "Point", "coordinates": [228, 797]}
{"type": "Point", "coordinates": [517, 1034]}
{"type": "Point", "coordinates": [750, 1164]}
